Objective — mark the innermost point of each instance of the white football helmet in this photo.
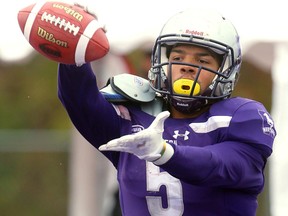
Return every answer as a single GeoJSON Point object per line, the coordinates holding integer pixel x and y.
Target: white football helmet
{"type": "Point", "coordinates": [200, 27]}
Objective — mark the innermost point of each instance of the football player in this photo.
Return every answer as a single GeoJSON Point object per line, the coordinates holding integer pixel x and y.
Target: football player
{"type": "Point", "coordinates": [181, 145]}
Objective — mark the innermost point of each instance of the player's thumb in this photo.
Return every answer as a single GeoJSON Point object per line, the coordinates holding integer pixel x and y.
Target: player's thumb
{"type": "Point", "coordinates": [158, 123]}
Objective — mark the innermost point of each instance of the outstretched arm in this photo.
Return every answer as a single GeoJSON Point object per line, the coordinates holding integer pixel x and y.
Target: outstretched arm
{"type": "Point", "coordinates": [89, 111]}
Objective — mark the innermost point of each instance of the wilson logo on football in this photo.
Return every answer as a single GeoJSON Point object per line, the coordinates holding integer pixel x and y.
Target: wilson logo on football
{"type": "Point", "coordinates": [69, 11]}
{"type": "Point", "coordinates": [50, 37]}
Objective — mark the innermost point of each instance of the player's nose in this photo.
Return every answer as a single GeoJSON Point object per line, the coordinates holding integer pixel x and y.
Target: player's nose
{"type": "Point", "coordinates": [188, 69]}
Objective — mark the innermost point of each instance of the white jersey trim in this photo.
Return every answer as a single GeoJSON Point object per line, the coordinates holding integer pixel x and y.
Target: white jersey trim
{"type": "Point", "coordinates": [211, 124]}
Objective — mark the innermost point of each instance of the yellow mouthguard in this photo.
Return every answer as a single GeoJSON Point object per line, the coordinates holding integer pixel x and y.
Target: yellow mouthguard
{"type": "Point", "coordinates": [184, 87]}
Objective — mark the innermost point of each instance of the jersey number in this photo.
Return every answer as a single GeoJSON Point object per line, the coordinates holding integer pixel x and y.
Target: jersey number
{"type": "Point", "coordinates": [155, 179]}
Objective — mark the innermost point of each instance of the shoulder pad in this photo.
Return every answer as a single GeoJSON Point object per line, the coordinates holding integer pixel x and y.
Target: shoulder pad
{"type": "Point", "coordinates": [112, 96]}
{"type": "Point", "coordinates": [129, 87]}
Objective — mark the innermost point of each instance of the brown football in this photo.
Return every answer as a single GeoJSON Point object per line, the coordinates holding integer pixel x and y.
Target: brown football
{"type": "Point", "coordinates": [63, 32]}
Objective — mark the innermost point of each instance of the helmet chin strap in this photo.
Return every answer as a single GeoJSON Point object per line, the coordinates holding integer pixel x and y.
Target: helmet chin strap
{"type": "Point", "coordinates": [187, 105]}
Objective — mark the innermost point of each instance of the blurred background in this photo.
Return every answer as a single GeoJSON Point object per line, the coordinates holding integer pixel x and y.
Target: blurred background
{"type": "Point", "coordinates": [48, 169]}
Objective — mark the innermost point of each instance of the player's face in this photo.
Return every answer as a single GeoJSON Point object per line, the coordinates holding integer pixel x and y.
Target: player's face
{"type": "Point", "coordinates": [194, 55]}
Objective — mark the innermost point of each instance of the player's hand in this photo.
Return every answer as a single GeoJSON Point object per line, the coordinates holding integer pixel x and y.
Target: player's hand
{"type": "Point", "coordinates": [89, 9]}
{"type": "Point", "coordinates": [147, 144]}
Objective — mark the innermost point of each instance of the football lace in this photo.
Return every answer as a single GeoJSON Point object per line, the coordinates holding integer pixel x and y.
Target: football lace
{"type": "Point", "coordinates": [61, 23]}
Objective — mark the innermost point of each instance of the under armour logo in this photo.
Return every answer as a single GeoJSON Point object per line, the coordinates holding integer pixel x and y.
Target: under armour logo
{"type": "Point", "coordinates": [177, 134]}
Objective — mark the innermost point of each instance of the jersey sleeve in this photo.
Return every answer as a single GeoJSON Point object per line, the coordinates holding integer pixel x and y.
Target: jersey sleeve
{"type": "Point", "coordinates": [251, 123]}
{"type": "Point", "coordinates": [238, 158]}
{"type": "Point", "coordinates": [89, 111]}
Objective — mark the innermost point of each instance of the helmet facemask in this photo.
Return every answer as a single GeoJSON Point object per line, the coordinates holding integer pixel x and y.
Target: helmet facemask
{"type": "Point", "coordinates": [188, 99]}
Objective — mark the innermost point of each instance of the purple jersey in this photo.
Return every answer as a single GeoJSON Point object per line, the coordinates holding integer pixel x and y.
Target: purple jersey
{"type": "Point", "coordinates": [217, 167]}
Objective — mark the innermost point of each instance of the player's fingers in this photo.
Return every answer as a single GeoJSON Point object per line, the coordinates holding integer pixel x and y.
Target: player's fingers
{"type": "Point", "coordinates": [117, 144]}
{"type": "Point", "coordinates": [158, 123]}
